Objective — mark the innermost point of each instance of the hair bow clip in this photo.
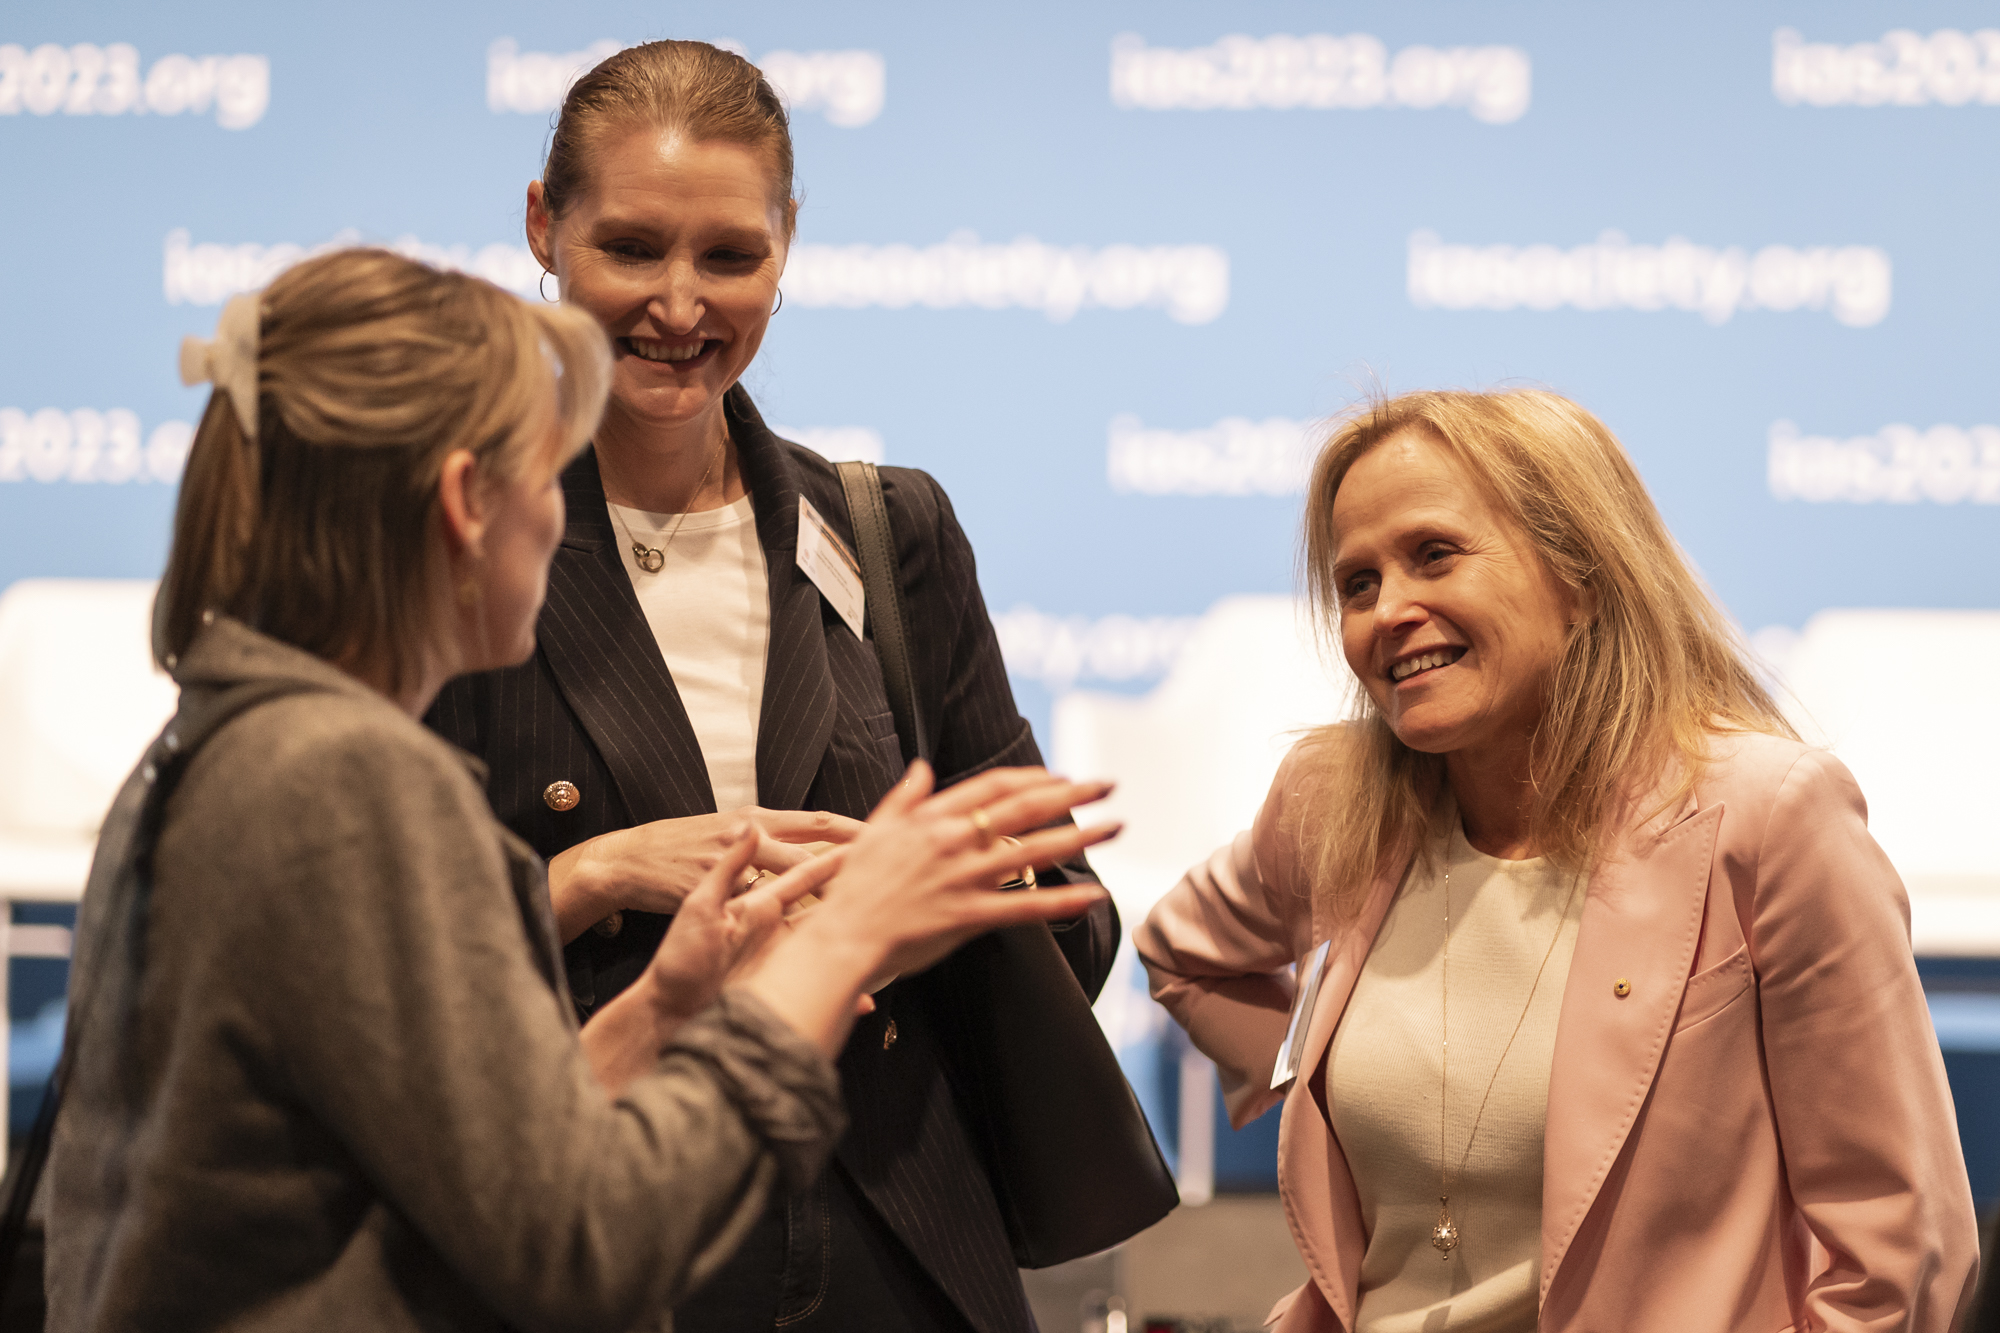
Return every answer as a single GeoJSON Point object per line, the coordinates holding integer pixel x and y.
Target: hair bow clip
{"type": "Point", "coordinates": [229, 361]}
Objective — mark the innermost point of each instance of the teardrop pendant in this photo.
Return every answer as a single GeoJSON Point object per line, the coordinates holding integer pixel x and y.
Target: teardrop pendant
{"type": "Point", "coordinates": [1444, 1236]}
{"type": "Point", "coordinates": [649, 558]}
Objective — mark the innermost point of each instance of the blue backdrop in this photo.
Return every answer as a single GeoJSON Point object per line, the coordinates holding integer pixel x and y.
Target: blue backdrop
{"type": "Point", "coordinates": [1097, 266]}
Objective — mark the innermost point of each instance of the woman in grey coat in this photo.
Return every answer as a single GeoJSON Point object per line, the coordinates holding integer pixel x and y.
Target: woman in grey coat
{"type": "Point", "coordinates": [325, 1074]}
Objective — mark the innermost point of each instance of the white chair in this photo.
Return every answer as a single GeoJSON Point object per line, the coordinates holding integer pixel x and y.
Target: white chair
{"type": "Point", "coordinates": [1194, 758]}
{"type": "Point", "coordinates": [1907, 700]}
{"type": "Point", "coordinates": [79, 700]}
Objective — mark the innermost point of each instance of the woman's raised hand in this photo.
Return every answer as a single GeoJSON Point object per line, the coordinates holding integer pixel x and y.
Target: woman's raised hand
{"type": "Point", "coordinates": [919, 879]}
{"type": "Point", "coordinates": [653, 867]}
{"type": "Point", "coordinates": [916, 883]}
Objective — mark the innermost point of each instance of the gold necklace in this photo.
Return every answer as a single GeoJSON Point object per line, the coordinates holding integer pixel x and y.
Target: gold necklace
{"type": "Point", "coordinates": [1445, 1235]}
{"type": "Point", "coordinates": [653, 559]}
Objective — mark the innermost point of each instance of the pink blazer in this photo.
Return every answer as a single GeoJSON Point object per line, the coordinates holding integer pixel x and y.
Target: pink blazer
{"type": "Point", "coordinates": [1757, 1136]}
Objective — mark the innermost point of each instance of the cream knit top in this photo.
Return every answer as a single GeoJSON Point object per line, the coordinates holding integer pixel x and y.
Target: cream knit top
{"type": "Point", "coordinates": [1382, 1092]}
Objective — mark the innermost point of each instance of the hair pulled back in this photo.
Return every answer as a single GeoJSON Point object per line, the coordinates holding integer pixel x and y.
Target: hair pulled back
{"type": "Point", "coordinates": [689, 88]}
{"type": "Point", "coordinates": [1644, 682]}
{"type": "Point", "coordinates": [371, 369]}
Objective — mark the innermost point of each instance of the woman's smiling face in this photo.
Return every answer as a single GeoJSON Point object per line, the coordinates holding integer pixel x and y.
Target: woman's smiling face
{"type": "Point", "coordinates": [1447, 615]}
{"type": "Point", "coordinates": [676, 247]}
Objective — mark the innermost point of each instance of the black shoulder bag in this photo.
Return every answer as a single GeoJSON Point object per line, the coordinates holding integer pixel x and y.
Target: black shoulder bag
{"type": "Point", "coordinates": [1072, 1160]}
{"type": "Point", "coordinates": [21, 1285]}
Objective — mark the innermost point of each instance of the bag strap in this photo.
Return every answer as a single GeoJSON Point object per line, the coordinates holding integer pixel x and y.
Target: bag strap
{"type": "Point", "coordinates": [875, 549]}
{"type": "Point", "coordinates": [165, 761]}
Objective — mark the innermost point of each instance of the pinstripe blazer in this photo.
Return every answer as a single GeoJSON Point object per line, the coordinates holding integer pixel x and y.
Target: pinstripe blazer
{"type": "Point", "coordinates": [596, 706]}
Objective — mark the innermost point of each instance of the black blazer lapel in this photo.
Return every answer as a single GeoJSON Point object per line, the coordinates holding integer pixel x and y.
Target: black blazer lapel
{"type": "Point", "coordinates": [605, 660]}
{"type": "Point", "coordinates": [797, 714]}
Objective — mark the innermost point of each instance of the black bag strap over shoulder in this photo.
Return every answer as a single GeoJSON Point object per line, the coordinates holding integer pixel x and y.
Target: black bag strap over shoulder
{"type": "Point", "coordinates": [875, 549]}
{"type": "Point", "coordinates": [160, 771]}
{"type": "Point", "coordinates": [1074, 1165]}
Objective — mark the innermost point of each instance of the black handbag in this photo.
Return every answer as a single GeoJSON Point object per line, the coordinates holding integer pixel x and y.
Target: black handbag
{"type": "Point", "coordinates": [1072, 1161]}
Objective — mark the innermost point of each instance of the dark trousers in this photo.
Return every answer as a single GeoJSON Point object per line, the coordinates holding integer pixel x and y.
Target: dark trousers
{"type": "Point", "coordinates": [822, 1261]}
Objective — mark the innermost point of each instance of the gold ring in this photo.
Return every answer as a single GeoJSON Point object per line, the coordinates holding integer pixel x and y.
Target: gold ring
{"type": "Point", "coordinates": [983, 824]}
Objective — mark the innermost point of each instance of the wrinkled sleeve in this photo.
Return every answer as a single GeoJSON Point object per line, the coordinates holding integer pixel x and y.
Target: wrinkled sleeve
{"type": "Point", "coordinates": [395, 994]}
{"type": "Point", "coordinates": [1864, 1112]}
{"type": "Point", "coordinates": [1219, 949]}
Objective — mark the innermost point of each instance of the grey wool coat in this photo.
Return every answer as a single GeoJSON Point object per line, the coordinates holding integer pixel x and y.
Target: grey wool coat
{"type": "Point", "coordinates": [327, 1076]}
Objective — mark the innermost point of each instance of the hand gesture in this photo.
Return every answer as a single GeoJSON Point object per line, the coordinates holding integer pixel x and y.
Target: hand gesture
{"type": "Point", "coordinates": [917, 882]}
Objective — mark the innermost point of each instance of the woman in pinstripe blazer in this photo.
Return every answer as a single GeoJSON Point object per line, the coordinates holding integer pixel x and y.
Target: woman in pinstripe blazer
{"type": "Point", "coordinates": [665, 210]}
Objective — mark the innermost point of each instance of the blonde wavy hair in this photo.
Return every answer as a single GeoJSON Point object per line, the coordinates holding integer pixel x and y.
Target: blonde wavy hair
{"type": "Point", "coordinates": [371, 369]}
{"type": "Point", "coordinates": [1642, 685]}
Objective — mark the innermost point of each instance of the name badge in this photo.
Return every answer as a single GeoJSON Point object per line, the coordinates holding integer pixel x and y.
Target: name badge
{"type": "Point", "coordinates": [1310, 974]}
{"type": "Point", "coordinates": [831, 566]}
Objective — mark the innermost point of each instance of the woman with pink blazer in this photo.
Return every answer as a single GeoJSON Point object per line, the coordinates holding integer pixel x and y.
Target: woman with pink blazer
{"type": "Point", "coordinates": [1605, 1016]}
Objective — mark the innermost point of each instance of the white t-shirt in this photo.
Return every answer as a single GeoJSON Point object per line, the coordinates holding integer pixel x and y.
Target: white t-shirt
{"type": "Point", "coordinates": [710, 609]}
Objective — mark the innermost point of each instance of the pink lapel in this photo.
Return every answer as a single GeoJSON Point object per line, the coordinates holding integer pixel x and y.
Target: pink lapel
{"type": "Point", "coordinates": [1305, 1139]}
{"type": "Point", "coordinates": [1641, 923]}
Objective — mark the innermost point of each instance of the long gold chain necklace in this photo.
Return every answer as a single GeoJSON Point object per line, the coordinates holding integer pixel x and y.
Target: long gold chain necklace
{"type": "Point", "coordinates": [1445, 1235]}
{"type": "Point", "coordinates": [653, 559]}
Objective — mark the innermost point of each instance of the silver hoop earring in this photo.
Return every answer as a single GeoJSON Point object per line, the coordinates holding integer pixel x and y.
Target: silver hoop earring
{"type": "Point", "coordinates": [781, 301]}
{"type": "Point", "coordinates": [544, 278]}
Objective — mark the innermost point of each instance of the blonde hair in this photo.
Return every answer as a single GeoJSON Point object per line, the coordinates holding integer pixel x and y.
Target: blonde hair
{"type": "Point", "coordinates": [371, 369]}
{"type": "Point", "coordinates": [701, 91]}
{"type": "Point", "coordinates": [1643, 681]}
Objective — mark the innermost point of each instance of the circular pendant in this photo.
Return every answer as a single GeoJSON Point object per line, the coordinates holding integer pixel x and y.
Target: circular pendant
{"type": "Point", "coordinates": [1444, 1236]}
{"type": "Point", "coordinates": [651, 558]}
